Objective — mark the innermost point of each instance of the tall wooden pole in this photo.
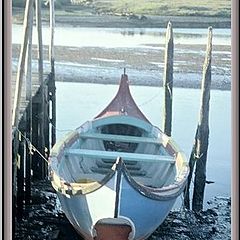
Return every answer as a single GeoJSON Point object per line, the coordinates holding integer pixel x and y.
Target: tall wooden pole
{"type": "Point", "coordinates": [29, 112]}
{"type": "Point", "coordinates": [20, 73]}
{"type": "Point", "coordinates": [52, 80]}
{"type": "Point", "coordinates": [52, 27]}
{"type": "Point", "coordinates": [168, 81]}
{"type": "Point", "coordinates": [40, 73]}
{"type": "Point", "coordinates": [40, 44]}
{"type": "Point", "coordinates": [200, 148]}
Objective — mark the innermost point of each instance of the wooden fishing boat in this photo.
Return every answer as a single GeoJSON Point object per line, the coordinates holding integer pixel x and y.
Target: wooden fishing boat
{"type": "Point", "coordinates": [117, 176]}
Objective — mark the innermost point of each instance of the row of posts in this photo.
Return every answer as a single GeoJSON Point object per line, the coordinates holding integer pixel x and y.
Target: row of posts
{"type": "Point", "coordinates": [34, 133]}
{"type": "Point", "coordinates": [198, 158]}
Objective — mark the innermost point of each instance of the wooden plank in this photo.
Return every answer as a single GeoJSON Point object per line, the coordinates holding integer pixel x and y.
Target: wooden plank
{"type": "Point", "coordinates": [124, 155]}
{"type": "Point", "coordinates": [119, 138]}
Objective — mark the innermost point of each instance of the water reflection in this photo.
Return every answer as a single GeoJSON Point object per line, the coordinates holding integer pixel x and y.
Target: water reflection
{"type": "Point", "coordinates": [122, 37]}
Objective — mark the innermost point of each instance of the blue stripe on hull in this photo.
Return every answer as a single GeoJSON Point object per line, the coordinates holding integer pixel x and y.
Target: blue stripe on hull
{"type": "Point", "coordinates": [146, 214]}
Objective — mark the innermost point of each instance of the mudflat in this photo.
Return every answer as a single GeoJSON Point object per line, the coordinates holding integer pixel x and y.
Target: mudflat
{"type": "Point", "coordinates": [144, 67]}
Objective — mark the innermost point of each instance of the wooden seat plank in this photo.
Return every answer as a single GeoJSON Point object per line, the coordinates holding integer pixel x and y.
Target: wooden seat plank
{"type": "Point", "coordinates": [124, 155]}
{"type": "Point", "coordinates": [119, 138]}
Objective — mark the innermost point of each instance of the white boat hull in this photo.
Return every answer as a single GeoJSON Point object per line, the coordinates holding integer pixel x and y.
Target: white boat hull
{"type": "Point", "coordinates": [117, 176]}
{"type": "Point", "coordinates": [118, 199]}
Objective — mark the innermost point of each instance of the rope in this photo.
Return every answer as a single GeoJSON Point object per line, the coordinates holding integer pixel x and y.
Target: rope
{"type": "Point", "coordinates": [31, 147]}
{"type": "Point", "coordinates": [156, 95]}
{"type": "Point", "coordinates": [59, 130]}
{"type": "Point", "coordinates": [150, 100]}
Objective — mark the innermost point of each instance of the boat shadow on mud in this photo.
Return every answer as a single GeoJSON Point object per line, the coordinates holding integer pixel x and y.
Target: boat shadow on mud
{"type": "Point", "coordinates": [44, 219]}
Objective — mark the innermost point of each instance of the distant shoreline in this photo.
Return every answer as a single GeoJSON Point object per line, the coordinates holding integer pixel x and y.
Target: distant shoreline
{"type": "Point", "coordinates": [112, 21]}
{"type": "Point", "coordinates": [108, 21]}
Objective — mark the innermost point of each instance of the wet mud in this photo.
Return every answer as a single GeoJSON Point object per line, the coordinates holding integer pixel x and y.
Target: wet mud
{"type": "Point", "coordinates": [43, 219]}
{"type": "Point", "coordinates": [144, 66]}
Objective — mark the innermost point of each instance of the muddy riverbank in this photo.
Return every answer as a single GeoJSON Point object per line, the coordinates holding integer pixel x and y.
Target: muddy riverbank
{"type": "Point", "coordinates": [44, 219]}
{"type": "Point", "coordinates": [144, 65]}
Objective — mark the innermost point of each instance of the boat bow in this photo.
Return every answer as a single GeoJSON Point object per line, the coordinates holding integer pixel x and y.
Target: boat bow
{"type": "Point", "coordinates": [123, 103]}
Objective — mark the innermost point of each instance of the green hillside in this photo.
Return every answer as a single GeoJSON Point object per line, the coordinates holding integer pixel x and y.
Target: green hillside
{"type": "Point", "coordinates": [217, 8]}
{"type": "Point", "coordinates": [221, 8]}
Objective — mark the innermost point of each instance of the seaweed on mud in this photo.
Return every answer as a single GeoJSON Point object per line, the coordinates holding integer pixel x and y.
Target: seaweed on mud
{"type": "Point", "coordinates": [212, 224]}
{"type": "Point", "coordinates": [44, 219]}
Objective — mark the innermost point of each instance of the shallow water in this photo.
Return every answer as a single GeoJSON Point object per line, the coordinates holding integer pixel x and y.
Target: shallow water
{"type": "Point", "coordinates": [79, 102]}
{"type": "Point", "coordinates": [122, 37]}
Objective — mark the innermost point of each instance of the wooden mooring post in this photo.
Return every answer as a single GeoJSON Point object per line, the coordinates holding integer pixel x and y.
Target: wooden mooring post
{"type": "Point", "coordinates": [42, 103]}
{"type": "Point", "coordinates": [199, 152]}
{"type": "Point", "coordinates": [51, 85]}
{"type": "Point", "coordinates": [168, 81]}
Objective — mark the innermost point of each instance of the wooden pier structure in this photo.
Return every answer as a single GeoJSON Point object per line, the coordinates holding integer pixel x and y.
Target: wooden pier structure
{"type": "Point", "coordinates": [33, 111]}
{"type": "Point", "coordinates": [29, 162]}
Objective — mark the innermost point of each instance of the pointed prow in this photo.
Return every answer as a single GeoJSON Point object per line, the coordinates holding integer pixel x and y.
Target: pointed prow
{"type": "Point", "coordinates": [123, 102]}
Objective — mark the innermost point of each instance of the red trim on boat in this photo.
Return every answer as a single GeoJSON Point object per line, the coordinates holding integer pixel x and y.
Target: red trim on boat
{"type": "Point", "coordinates": [123, 103]}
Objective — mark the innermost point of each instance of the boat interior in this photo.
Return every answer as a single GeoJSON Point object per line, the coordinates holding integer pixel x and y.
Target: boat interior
{"type": "Point", "coordinates": [142, 147]}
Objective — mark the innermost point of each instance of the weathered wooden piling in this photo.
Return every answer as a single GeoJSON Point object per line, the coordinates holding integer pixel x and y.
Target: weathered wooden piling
{"type": "Point", "coordinates": [20, 74]}
{"type": "Point", "coordinates": [51, 85]}
{"type": "Point", "coordinates": [168, 81]}
{"type": "Point", "coordinates": [52, 26]}
{"type": "Point", "coordinates": [35, 139]}
{"type": "Point", "coordinates": [42, 113]}
{"type": "Point", "coordinates": [200, 148]}
{"type": "Point", "coordinates": [28, 114]}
